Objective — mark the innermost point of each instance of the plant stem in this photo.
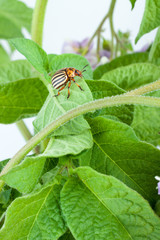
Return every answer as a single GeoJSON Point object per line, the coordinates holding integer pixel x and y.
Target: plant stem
{"type": "Point", "coordinates": [24, 130]}
{"type": "Point", "coordinates": [145, 89]}
{"type": "Point", "coordinates": [38, 21]}
{"type": "Point", "coordinates": [91, 106]}
{"type": "Point", "coordinates": [98, 30]}
{"type": "Point", "coordinates": [112, 28]}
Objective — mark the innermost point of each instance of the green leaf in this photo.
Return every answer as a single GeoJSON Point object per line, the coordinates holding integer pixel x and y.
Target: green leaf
{"type": "Point", "coordinates": [101, 207]}
{"type": "Point", "coordinates": [25, 176]}
{"type": "Point", "coordinates": [15, 70]}
{"type": "Point", "coordinates": [154, 54]}
{"type": "Point", "coordinates": [20, 99]}
{"type": "Point", "coordinates": [151, 18]}
{"type": "Point", "coordinates": [50, 175]}
{"type": "Point", "coordinates": [71, 60]}
{"type": "Point", "coordinates": [33, 52]}
{"type": "Point", "coordinates": [35, 216]}
{"type": "Point", "coordinates": [14, 15]}
{"type": "Point", "coordinates": [101, 89]}
{"type": "Point", "coordinates": [4, 58]}
{"type": "Point", "coordinates": [3, 163]}
{"type": "Point", "coordinates": [5, 196]}
{"type": "Point", "coordinates": [146, 122]}
{"type": "Point", "coordinates": [133, 76]}
{"type": "Point", "coordinates": [133, 3]}
{"type": "Point", "coordinates": [157, 208]}
{"type": "Point", "coordinates": [68, 144]}
{"type": "Point", "coordinates": [57, 106]}
{"type": "Point", "coordinates": [124, 156]}
{"type": "Point", "coordinates": [67, 236]}
{"type": "Point", "coordinates": [119, 62]}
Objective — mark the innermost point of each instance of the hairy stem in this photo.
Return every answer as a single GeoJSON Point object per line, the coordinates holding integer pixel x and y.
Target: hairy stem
{"type": "Point", "coordinates": [38, 21]}
{"type": "Point", "coordinates": [91, 106]}
{"type": "Point", "coordinates": [145, 89]}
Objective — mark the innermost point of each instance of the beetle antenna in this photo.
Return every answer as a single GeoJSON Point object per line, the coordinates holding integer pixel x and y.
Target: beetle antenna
{"type": "Point", "coordinates": [84, 67]}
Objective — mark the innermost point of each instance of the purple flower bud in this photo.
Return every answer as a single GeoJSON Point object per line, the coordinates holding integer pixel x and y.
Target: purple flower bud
{"type": "Point", "coordinates": [105, 53]}
{"type": "Point", "coordinates": [158, 188]}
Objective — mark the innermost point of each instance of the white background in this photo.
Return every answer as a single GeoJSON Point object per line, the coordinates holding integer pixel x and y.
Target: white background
{"type": "Point", "coordinates": [75, 20]}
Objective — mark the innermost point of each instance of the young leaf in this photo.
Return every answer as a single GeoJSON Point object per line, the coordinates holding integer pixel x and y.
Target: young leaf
{"type": "Point", "coordinates": [14, 15]}
{"type": "Point", "coordinates": [133, 3]}
{"type": "Point", "coordinates": [154, 54]}
{"type": "Point", "coordinates": [56, 106]}
{"type": "Point", "coordinates": [71, 60]}
{"type": "Point", "coordinates": [24, 177]}
{"type": "Point", "coordinates": [101, 207]}
{"type": "Point", "coordinates": [133, 76]}
{"type": "Point", "coordinates": [33, 52]}
{"type": "Point", "coordinates": [4, 58]}
{"type": "Point", "coordinates": [35, 216]}
{"type": "Point", "coordinates": [20, 99]}
{"type": "Point", "coordinates": [68, 144]}
{"type": "Point", "coordinates": [124, 156]}
{"type": "Point", "coordinates": [151, 18]}
{"type": "Point", "coordinates": [15, 70]}
{"type": "Point", "coordinates": [119, 62]}
{"type": "Point", "coordinates": [146, 122]}
{"type": "Point", "coordinates": [101, 89]}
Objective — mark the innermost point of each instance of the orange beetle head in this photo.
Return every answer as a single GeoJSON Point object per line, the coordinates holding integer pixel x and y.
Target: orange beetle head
{"type": "Point", "coordinates": [78, 73]}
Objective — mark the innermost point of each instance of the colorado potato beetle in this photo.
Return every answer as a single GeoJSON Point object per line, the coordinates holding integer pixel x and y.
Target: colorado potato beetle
{"type": "Point", "coordinates": [65, 75]}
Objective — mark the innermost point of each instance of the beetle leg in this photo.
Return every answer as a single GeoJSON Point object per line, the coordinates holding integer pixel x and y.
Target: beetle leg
{"type": "Point", "coordinates": [59, 91]}
{"type": "Point", "coordinates": [69, 84]}
{"type": "Point", "coordinates": [77, 84]}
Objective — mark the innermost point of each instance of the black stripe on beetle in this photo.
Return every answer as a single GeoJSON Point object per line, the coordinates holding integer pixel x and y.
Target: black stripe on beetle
{"type": "Point", "coordinates": [65, 75]}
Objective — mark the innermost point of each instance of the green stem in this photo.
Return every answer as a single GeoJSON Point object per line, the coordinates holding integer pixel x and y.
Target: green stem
{"type": "Point", "coordinates": [91, 106]}
{"type": "Point", "coordinates": [145, 89]}
{"type": "Point", "coordinates": [112, 29]}
{"type": "Point", "coordinates": [38, 21]}
{"type": "Point", "coordinates": [98, 30]}
{"type": "Point", "coordinates": [24, 130]}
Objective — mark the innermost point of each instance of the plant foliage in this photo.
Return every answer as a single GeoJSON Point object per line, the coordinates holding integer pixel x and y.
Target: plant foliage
{"type": "Point", "coordinates": [93, 177]}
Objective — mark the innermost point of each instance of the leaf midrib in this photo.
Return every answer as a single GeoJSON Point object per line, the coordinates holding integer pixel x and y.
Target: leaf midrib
{"type": "Point", "coordinates": [112, 160]}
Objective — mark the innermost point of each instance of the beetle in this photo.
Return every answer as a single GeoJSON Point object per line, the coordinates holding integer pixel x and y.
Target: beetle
{"type": "Point", "coordinates": [65, 75]}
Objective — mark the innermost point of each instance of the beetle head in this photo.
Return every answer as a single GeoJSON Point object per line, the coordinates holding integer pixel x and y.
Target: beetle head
{"type": "Point", "coordinates": [78, 73]}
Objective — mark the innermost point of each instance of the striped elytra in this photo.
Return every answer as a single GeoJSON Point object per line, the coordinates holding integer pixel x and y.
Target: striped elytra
{"type": "Point", "coordinates": [59, 78]}
{"type": "Point", "coordinates": [65, 75]}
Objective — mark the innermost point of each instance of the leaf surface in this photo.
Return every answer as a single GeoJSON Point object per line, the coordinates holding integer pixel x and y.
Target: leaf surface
{"type": "Point", "coordinates": [68, 144]}
{"type": "Point", "coordinates": [146, 122]}
{"type": "Point", "coordinates": [119, 152]}
{"type": "Point", "coordinates": [25, 176]}
{"type": "Point", "coordinates": [154, 54]}
{"type": "Point", "coordinates": [15, 70]}
{"type": "Point", "coordinates": [35, 216]}
{"type": "Point", "coordinates": [101, 207]}
{"type": "Point", "coordinates": [33, 52]}
{"type": "Point", "coordinates": [4, 58]}
{"type": "Point", "coordinates": [133, 76]}
{"type": "Point", "coordinates": [119, 62]}
{"type": "Point", "coordinates": [20, 99]}
{"type": "Point", "coordinates": [14, 15]}
{"type": "Point", "coordinates": [101, 89]}
{"type": "Point", "coordinates": [151, 18]}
